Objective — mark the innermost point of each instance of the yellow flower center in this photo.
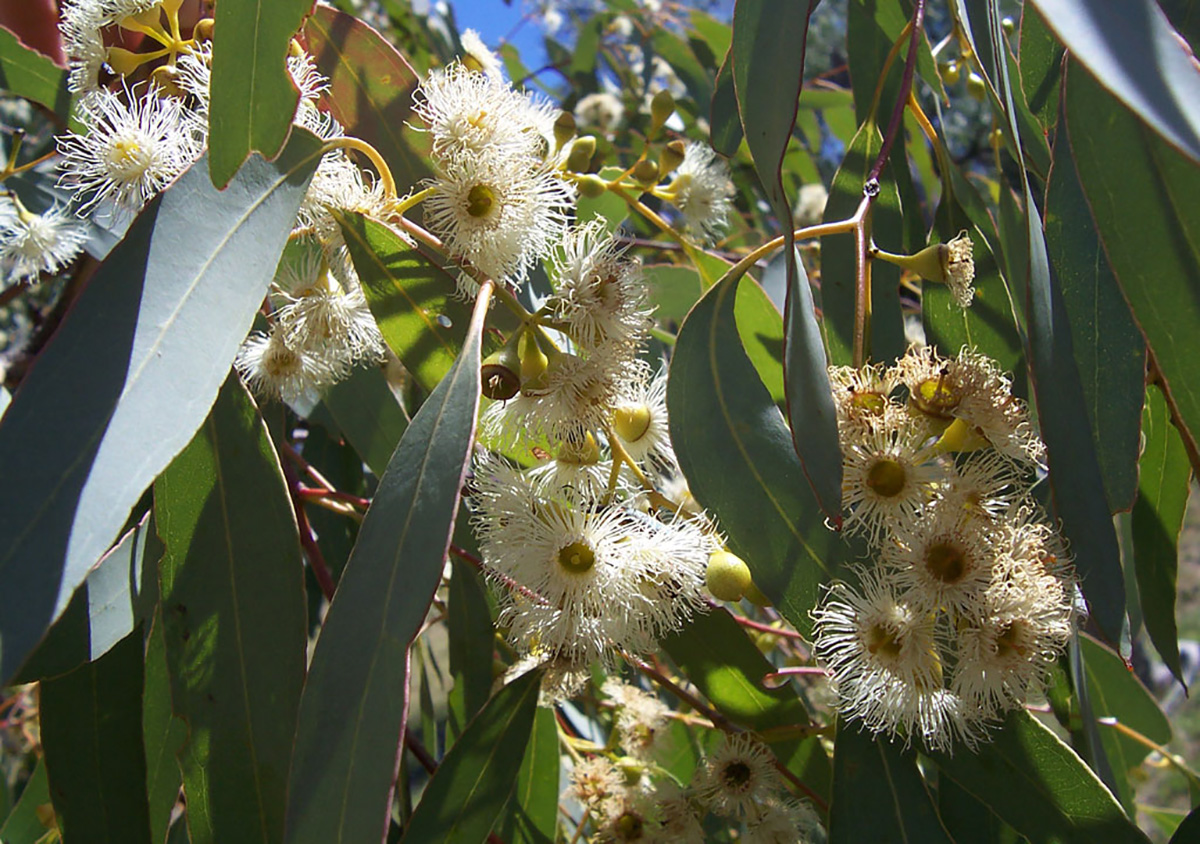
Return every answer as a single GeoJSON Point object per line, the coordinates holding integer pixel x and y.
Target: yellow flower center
{"type": "Point", "coordinates": [946, 561]}
{"type": "Point", "coordinates": [576, 558]}
{"type": "Point", "coordinates": [887, 478]}
{"type": "Point", "coordinates": [480, 201]}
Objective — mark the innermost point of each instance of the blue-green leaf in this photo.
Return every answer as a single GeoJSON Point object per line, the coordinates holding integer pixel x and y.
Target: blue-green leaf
{"type": "Point", "coordinates": [740, 462]}
{"type": "Point", "coordinates": [253, 96]}
{"type": "Point", "coordinates": [1132, 50]}
{"type": "Point", "coordinates": [27, 73]}
{"type": "Point", "coordinates": [91, 728]}
{"type": "Point", "coordinates": [351, 714]}
{"type": "Point", "coordinates": [235, 621]}
{"type": "Point", "coordinates": [873, 771]}
{"type": "Point", "coordinates": [475, 779]}
{"type": "Point", "coordinates": [1037, 785]}
{"type": "Point", "coordinates": [369, 416]}
{"type": "Point", "coordinates": [1164, 483]}
{"type": "Point", "coordinates": [130, 375]}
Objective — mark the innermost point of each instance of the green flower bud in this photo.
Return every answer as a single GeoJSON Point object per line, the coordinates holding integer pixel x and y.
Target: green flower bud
{"type": "Point", "coordinates": [727, 576]}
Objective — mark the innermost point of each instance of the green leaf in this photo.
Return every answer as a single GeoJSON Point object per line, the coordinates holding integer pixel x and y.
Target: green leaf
{"type": "Point", "coordinates": [163, 734]}
{"type": "Point", "coordinates": [1116, 693]}
{"type": "Point", "coordinates": [736, 452]}
{"type": "Point", "coordinates": [351, 714]}
{"type": "Point", "coordinates": [873, 771]}
{"type": "Point", "coordinates": [725, 134]}
{"type": "Point", "coordinates": [469, 626]}
{"type": "Point", "coordinates": [683, 61]}
{"type": "Point", "coordinates": [966, 819]}
{"type": "Point", "coordinates": [475, 779]}
{"type": "Point", "coordinates": [411, 296]}
{"type": "Point", "coordinates": [1109, 351]}
{"type": "Point", "coordinates": [27, 73]}
{"type": "Point", "coordinates": [811, 413]}
{"type": "Point", "coordinates": [673, 290]}
{"type": "Point", "coordinates": [119, 593]}
{"type": "Point", "coordinates": [1189, 830]}
{"type": "Point", "coordinates": [253, 96]}
{"type": "Point", "coordinates": [91, 728]}
{"type": "Point", "coordinates": [1164, 483]}
{"type": "Point", "coordinates": [1149, 226]}
{"type": "Point", "coordinates": [1131, 47]}
{"type": "Point", "coordinates": [872, 28]}
{"type": "Point", "coordinates": [235, 621]}
{"type": "Point", "coordinates": [23, 826]}
{"type": "Point", "coordinates": [532, 812]}
{"type": "Point", "coordinates": [1037, 785]}
{"type": "Point", "coordinates": [1041, 67]}
{"type": "Point", "coordinates": [886, 341]}
{"type": "Point", "coordinates": [716, 655]}
{"type": "Point", "coordinates": [760, 328]}
{"type": "Point", "coordinates": [370, 89]}
{"type": "Point", "coordinates": [368, 415]}
{"type": "Point", "coordinates": [130, 375]}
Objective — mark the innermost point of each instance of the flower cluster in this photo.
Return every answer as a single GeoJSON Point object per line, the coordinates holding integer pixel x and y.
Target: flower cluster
{"type": "Point", "coordinates": [971, 598]}
{"type": "Point", "coordinates": [498, 197]}
{"type": "Point", "coordinates": [738, 783]}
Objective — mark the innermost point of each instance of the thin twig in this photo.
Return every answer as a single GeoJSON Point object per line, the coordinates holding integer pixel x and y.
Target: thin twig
{"type": "Point", "coordinates": [308, 538]}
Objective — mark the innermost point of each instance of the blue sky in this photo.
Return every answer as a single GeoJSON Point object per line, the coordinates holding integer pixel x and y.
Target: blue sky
{"type": "Point", "coordinates": [494, 20]}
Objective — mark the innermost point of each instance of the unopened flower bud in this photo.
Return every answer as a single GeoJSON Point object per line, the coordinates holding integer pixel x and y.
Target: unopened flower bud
{"type": "Point", "coordinates": [976, 87]}
{"type": "Point", "coordinates": [951, 72]}
{"type": "Point", "coordinates": [580, 157]}
{"type": "Point", "coordinates": [661, 108]}
{"type": "Point", "coordinates": [645, 172]}
{"type": "Point", "coordinates": [672, 157]}
{"type": "Point", "coordinates": [167, 80]}
{"type": "Point", "coordinates": [203, 30]}
{"type": "Point", "coordinates": [961, 437]}
{"type": "Point", "coordinates": [533, 360]}
{"type": "Point", "coordinates": [500, 373]}
{"type": "Point", "coordinates": [591, 186]}
{"type": "Point", "coordinates": [950, 263]}
{"type": "Point", "coordinates": [124, 61]}
{"type": "Point", "coordinates": [727, 576]}
{"type": "Point", "coordinates": [564, 129]}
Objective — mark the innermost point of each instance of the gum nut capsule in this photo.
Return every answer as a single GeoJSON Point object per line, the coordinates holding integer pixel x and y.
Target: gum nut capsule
{"type": "Point", "coordinates": [727, 576]}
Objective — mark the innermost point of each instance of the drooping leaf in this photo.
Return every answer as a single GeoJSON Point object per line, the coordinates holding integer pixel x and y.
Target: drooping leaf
{"type": "Point", "coordinates": [1164, 483]}
{"type": "Point", "coordinates": [886, 340]}
{"type": "Point", "coordinates": [253, 95]}
{"type": "Point", "coordinates": [163, 734]}
{"type": "Point", "coordinates": [23, 824]}
{"type": "Point", "coordinates": [673, 290]}
{"type": "Point", "coordinates": [1040, 65]}
{"type": "Point", "coordinates": [811, 413]}
{"type": "Point", "coordinates": [469, 625]}
{"type": "Point", "coordinates": [91, 728]}
{"type": "Point", "coordinates": [726, 133]}
{"type": "Point", "coordinates": [366, 411]}
{"type": "Point", "coordinates": [1132, 49]}
{"type": "Point", "coordinates": [874, 771]}
{"type": "Point", "coordinates": [130, 375]}
{"type": "Point", "coordinates": [1116, 693]}
{"type": "Point", "coordinates": [741, 464]}
{"type": "Point", "coordinates": [714, 653]}
{"type": "Point", "coordinates": [370, 89]}
{"type": "Point", "coordinates": [411, 296]}
{"type": "Point", "coordinates": [760, 328]}
{"type": "Point", "coordinates": [1110, 354]}
{"type": "Point", "coordinates": [116, 595]}
{"type": "Point", "coordinates": [475, 779]}
{"type": "Point", "coordinates": [352, 711]}
{"type": "Point", "coordinates": [532, 812]}
{"type": "Point", "coordinates": [234, 619]}
{"type": "Point", "coordinates": [1149, 228]}
{"type": "Point", "coordinates": [1037, 785]}
{"type": "Point", "coordinates": [27, 73]}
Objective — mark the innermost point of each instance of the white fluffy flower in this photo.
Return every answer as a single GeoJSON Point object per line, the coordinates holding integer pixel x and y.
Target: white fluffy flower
{"type": "Point", "coordinates": [82, 25]}
{"type": "Point", "coordinates": [325, 312]}
{"type": "Point", "coordinates": [702, 190]}
{"type": "Point", "coordinates": [498, 215]}
{"type": "Point", "coordinates": [132, 147]}
{"type": "Point", "coordinates": [34, 243]}
{"type": "Point", "coordinates": [273, 369]}
{"type": "Point", "coordinates": [739, 776]}
{"type": "Point", "coordinates": [477, 57]}
{"type": "Point", "coordinates": [601, 110]}
{"type": "Point", "coordinates": [640, 421]}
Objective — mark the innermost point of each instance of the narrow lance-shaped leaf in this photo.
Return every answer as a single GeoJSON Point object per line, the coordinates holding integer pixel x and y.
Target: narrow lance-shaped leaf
{"type": "Point", "coordinates": [1037, 785]}
{"type": "Point", "coordinates": [235, 621]}
{"type": "Point", "coordinates": [473, 782]}
{"type": "Point", "coordinates": [532, 812]}
{"type": "Point", "coordinates": [1164, 483]}
{"type": "Point", "coordinates": [27, 73]}
{"type": "Point", "coordinates": [253, 96]}
{"type": "Point", "coordinates": [163, 734]}
{"type": "Point", "coordinates": [1062, 415]}
{"type": "Point", "coordinates": [370, 88]}
{"type": "Point", "coordinates": [353, 709]}
{"type": "Point", "coordinates": [741, 463]}
{"type": "Point", "coordinates": [1110, 353]}
{"type": "Point", "coordinates": [875, 771]}
{"type": "Point", "coordinates": [1131, 47]}
{"type": "Point", "coordinates": [769, 38]}
{"type": "Point", "coordinates": [130, 375]}
{"type": "Point", "coordinates": [27, 822]}
{"type": "Point", "coordinates": [91, 728]}
{"type": "Point", "coordinates": [1149, 225]}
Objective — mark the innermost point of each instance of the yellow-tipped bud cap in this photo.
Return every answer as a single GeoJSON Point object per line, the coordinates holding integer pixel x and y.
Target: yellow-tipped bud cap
{"type": "Point", "coordinates": [960, 437]}
{"type": "Point", "coordinates": [203, 30]}
{"type": "Point", "coordinates": [564, 129]}
{"type": "Point", "coordinates": [672, 157]}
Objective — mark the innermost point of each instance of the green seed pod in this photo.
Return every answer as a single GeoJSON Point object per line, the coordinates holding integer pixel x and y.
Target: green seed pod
{"type": "Point", "coordinates": [580, 157]}
{"type": "Point", "coordinates": [951, 72]}
{"type": "Point", "coordinates": [564, 129]}
{"type": "Point", "coordinates": [500, 373]}
{"type": "Point", "coordinates": [591, 186]}
{"type": "Point", "coordinates": [976, 87]}
{"type": "Point", "coordinates": [672, 157]}
{"type": "Point", "coordinates": [645, 172]}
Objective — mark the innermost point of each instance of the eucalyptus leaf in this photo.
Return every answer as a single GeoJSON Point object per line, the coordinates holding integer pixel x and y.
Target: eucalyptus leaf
{"type": "Point", "coordinates": [130, 375]}
{"type": "Point", "coordinates": [29, 74]}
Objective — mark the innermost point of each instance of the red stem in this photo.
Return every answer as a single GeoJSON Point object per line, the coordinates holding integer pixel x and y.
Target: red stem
{"type": "Point", "coordinates": [308, 539]}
